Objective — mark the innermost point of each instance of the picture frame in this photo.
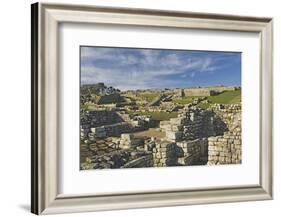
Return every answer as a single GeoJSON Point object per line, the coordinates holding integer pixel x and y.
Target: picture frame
{"type": "Point", "coordinates": [45, 21]}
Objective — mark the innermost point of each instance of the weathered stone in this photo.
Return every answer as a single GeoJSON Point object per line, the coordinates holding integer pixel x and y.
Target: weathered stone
{"type": "Point", "coordinates": [173, 136]}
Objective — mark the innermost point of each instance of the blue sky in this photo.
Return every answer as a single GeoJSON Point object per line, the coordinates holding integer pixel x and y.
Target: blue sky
{"type": "Point", "coordinates": [135, 68]}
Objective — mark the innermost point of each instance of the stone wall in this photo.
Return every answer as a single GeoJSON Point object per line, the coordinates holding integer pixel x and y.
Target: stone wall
{"type": "Point", "coordinates": [223, 88]}
{"type": "Point", "coordinates": [207, 91]}
{"type": "Point", "coordinates": [128, 141]}
{"type": "Point", "coordinates": [222, 124]}
{"type": "Point", "coordinates": [227, 148]}
{"type": "Point", "coordinates": [194, 152]}
{"type": "Point", "coordinates": [111, 130]}
{"type": "Point", "coordinates": [227, 112]}
{"type": "Point", "coordinates": [181, 153]}
{"type": "Point", "coordinates": [97, 118]}
{"type": "Point", "coordinates": [198, 92]}
{"type": "Point", "coordinates": [115, 129]}
{"type": "Point", "coordinates": [144, 161]}
{"type": "Point", "coordinates": [102, 154]}
{"type": "Point", "coordinates": [166, 154]}
{"type": "Point", "coordinates": [195, 137]}
{"type": "Point", "coordinates": [193, 124]}
{"type": "Point", "coordinates": [105, 123]}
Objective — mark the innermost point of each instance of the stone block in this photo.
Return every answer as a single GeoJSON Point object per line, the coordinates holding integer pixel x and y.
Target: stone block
{"type": "Point", "coordinates": [176, 121]}
{"type": "Point", "coordinates": [237, 142]}
{"type": "Point", "coordinates": [127, 136]}
{"type": "Point", "coordinates": [173, 136]}
{"type": "Point", "coordinates": [212, 139]}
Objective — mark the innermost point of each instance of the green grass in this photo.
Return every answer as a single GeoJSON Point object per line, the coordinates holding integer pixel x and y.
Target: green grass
{"type": "Point", "coordinates": [184, 100]}
{"type": "Point", "coordinates": [204, 105]}
{"type": "Point", "coordinates": [148, 96]}
{"type": "Point", "coordinates": [83, 106]}
{"type": "Point", "coordinates": [159, 116]}
{"type": "Point", "coordinates": [228, 97]}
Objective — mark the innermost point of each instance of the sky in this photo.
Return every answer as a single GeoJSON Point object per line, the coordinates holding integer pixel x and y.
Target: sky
{"type": "Point", "coordinates": [138, 68]}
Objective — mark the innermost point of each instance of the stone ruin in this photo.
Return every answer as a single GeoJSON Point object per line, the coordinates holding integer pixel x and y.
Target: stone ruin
{"type": "Point", "coordinates": [204, 91]}
{"type": "Point", "coordinates": [195, 137]}
{"type": "Point", "coordinates": [109, 123]}
{"type": "Point", "coordinates": [195, 123]}
{"type": "Point", "coordinates": [227, 148]}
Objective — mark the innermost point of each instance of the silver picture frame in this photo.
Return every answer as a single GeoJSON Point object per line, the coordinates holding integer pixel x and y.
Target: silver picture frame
{"type": "Point", "coordinates": [45, 136]}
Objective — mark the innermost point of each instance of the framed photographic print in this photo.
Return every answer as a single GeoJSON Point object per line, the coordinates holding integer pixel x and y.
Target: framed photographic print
{"type": "Point", "coordinates": [143, 108]}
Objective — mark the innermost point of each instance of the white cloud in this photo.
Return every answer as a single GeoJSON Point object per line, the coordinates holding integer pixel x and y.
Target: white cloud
{"type": "Point", "coordinates": [141, 68]}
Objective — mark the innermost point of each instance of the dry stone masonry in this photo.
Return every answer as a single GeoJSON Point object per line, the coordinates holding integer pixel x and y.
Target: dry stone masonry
{"type": "Point", "coordinates": [195, 136]}
{"type": "Point", "coordinates": [226, 149]}
{"type": "Point", "coordinates": [166, 154]}
{"type": "Point", "coordinates": [193, 124]}
{"type": "Point", "coordinates": [194, 152]}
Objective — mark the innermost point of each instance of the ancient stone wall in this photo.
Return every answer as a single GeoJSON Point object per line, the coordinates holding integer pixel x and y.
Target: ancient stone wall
{"type": "Point", "coordinates": [229, 113]}
{"type": "Point", "coordinates": [222, 124]}
{"type": "Point", "coordinates": [227, 148]}
{"type": "Point", "coordinates": [117, 129]}
{"type": "Point", "coordinates": [144, 161]}
{"type": "Point", "coordinates": [223, 88]}
{"type": "Point", "coordinates": [128, 141]}
{"type": "Point", "coordinates": [98, 118]}
{"type": "Point", "coordinates": [195, 137]}
{"type": "Point", "coordinates": [109, 123]}
{"type": "Point", "coordinates": [106, 153]}
{"type": "Point", "coordinates": [166, 154]}
{"type": "Point", "coordinates": [207, 91]}
{"type": "Point", "coordinates": [111, 130]}
{"type": "Point", "coordinates": [194, 151]}
{"type": "Point", "coordinates": [198, 92]}
{"type": "Point", "coordinates": [193, 124]}
{"type": "Point", "coordinates": [181, 153]}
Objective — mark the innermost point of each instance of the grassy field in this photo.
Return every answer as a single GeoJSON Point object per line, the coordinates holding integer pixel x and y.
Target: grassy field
{"type": "Point", "coordinates": [228, 97]}
{"type": "Point", "coordinates": [159, 116]}
{"type": "Point", "coordinates": [148, 96]}
{"type": "Point", "coordinates": [184, 100]}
